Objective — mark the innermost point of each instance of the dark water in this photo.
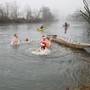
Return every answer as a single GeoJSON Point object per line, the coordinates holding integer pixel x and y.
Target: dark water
{"type": "Point", "coordinates": [21, 70]}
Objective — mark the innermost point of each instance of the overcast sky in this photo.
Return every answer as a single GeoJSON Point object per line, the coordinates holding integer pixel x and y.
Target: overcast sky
{"type": "Point", "coordinates": [62, 6]}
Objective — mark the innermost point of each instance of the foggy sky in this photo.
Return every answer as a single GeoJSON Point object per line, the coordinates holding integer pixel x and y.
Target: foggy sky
{"type": "Point", "coordinates": [63, 7]}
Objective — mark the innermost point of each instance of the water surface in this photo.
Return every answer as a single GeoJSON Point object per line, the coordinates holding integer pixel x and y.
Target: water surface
{"type": "Point", "coordinates": [21, 70]}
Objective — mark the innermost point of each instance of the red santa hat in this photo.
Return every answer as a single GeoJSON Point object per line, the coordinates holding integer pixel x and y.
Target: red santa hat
{"type": "Point", "coordinates": [43, 44]}
{"type": "Point", "coordinates": [43, 37]}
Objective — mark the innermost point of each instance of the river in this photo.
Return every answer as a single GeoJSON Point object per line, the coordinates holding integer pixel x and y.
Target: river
{"type": "Point", "coordinates": [63, 67]}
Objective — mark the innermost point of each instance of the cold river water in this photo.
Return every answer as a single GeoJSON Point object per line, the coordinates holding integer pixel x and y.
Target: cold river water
{"type": "Point", "coordinates": [64, 66]}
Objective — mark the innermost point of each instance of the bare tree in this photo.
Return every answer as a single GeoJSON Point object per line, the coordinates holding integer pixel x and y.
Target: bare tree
{"type": "Point", "coordinates": [46, 14]}
{"type": "Point", "coordinates": [28, 13]}
{"type": "Point", "coordinates": [10, 12]}
{"type": "Point", "coordinates": [14, 11]}
{"type": "Point", "coordinates": [1, 10]}
{"type": "Point", "coordinates": [76, 17]}
{"type": "Point", "coordinates": [31, 15]}
{"type": "Point", "coordinates": [4, 13]}
{"type": "Point", "coordinates": [7, 10]}
{"type": "Point", "coordinates": [39, 14]}
{"type": "Point", "coordinates": [86, 13]}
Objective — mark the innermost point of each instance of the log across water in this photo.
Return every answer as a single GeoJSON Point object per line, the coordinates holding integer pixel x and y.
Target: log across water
{"type": "Point", "coordinates": [69, 42]}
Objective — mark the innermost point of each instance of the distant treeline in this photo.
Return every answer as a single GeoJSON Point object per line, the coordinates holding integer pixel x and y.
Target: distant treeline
{"type": "Point", "coordinates": [82, 15]}
{"type": "Point", "coordinates": [11, 13]}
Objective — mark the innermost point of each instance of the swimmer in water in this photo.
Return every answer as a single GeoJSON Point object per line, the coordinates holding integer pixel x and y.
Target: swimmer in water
{"type": "Point", "coordinates": [47, 41]}
{"type": "Point", "coordinates": [15, 40]}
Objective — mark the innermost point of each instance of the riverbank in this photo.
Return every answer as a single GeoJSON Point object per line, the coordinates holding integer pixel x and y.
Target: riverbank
{"type": "Point", "coordinates": [82, 87]}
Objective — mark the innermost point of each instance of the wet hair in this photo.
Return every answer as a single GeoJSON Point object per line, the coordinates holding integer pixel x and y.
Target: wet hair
{"type": "Point", "coordinates": [15, 35]}
{"type": "Point", "coordinates": [26, 39]}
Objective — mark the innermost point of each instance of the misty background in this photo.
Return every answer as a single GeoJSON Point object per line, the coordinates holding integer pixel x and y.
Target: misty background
{"type": "Point", "coordinates": [62, 7]}
{"type": "Point", "coordinates": [64, 66]}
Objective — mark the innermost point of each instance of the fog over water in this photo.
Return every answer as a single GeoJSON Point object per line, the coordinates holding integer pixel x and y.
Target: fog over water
{"type": "Point", "coordinates": [63, 7]}
{"type": "Point", "coordinates": [64, 66]}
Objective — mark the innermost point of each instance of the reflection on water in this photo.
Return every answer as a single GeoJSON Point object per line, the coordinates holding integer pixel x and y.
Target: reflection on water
{"type": "Point", "coordinates": [21, 70]}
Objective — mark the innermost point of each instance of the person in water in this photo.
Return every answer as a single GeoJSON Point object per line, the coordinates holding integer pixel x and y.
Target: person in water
{"type": "Point", "coordinates": [66, 25]}
{"type": "Point", "coordinates": [15, 40]}
{"type": "Point", "coordinates": [47, 41]}
{"type": "Point", "coordinates": [41, 27]}
{"type": "Point", "coordinates": [42, 47]}
{"type": "Point", "coordinates": [26, 40]}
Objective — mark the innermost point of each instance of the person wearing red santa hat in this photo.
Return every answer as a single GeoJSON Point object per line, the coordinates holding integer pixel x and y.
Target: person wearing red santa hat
{"type": "Point", "coordinates": [43, 39]}
{"type": "Point", "coordinates": [47, 41]}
